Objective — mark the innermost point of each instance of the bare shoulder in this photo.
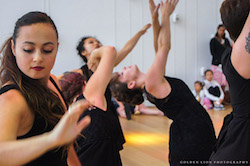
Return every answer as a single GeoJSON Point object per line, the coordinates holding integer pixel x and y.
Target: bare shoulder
{"type": "Point", "coordinates": [241, 55]}
{"type": "Point", "coordinates": [13, 100]}
{"type": "Point", "coordinates": [54, 78]}
{"type": "Point", "coordinates": [159, 89]}
{"type": "Point", "coordinates": [77, 71]}
{"type": "Point", "coordinates": [14, 109]}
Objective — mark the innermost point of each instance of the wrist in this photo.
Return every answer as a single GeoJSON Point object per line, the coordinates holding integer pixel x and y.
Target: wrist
{"type": "Point", "coordinates": [50, 143]}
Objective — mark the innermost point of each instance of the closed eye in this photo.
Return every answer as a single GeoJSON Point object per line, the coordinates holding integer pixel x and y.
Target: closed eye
{"type": "Point", "coordinates": [47, 51]}
{"type": "Point", "coordinates": [28, 51]}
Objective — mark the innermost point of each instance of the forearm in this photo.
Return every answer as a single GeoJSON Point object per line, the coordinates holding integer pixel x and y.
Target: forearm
{"type": "Point", "coordinates": [72, 157]}
{"type": "Point", "coordinates": [156, 30]}
{"type": "Point", "coordinates": [97, 84]}
{"type": "Point", "coordinates": [128, 47]}
{"type": "Point", "coordinates": [164, 39]}
{"type": "Point", "coordinates": [20, 152]}
{"type": "Point", "coordinates": [163, 46]}
{"type": "Point", "coordinates": [221, 93]}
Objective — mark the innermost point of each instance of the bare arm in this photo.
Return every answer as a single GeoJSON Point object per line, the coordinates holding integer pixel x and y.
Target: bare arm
{"type": "Point", "coordinates": [155, 22]}
{"type": "Point", "coordinates": [75, 70]}
{"type": "Point", "coordinates": [130, 44]}
{"type": "Point", "coordinates": [155, 82]}
{"type": "Point", "coordinates": [20, 152]}
{"type": "Point", "coordinates": [241, 51]}
{"type": "Point", "coordinates": [102, 62]}
{"type": "Point", "coordinates": [73, 159]}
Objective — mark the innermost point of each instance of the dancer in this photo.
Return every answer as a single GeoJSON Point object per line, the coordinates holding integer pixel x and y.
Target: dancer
{"type": "Point", "coordinates": [192, 134]}
{"type": "Point", "coordinates": [97, 137]}
{"type": "Point", "coordinates": [31, 102]}
{"type": "Point", "coordinates": [233, 142]}
{"type": "Point", "coordinates": [103, 138]}
{"type": "Point", "coordinates": [72, 85]}
{"type": "Point", "coordinates": [88, 43]}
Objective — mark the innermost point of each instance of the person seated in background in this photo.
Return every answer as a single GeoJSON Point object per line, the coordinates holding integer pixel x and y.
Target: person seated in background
{"type": "Point", "coordinates": [199, 94]}
{"type": "Point", "coordinates": [137, 110]}
{"type": "Point", "coordinates": [213, 90]}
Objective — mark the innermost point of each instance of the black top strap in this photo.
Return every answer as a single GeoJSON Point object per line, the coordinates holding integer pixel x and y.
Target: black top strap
{"type": "Point", "coordinates": [86, 72]}
{"type": "Point", "coordinates": [54, 83]}
{"type": "Point", "coordinates": [8, 87]}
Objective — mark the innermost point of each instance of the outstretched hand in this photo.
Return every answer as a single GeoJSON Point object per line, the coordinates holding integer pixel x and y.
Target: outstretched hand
{"type": "Point", "coordinates": [153, 9]}
{"type": "Point", "coordinates": [168, 7]}
{"type": "Point", "coordinates": [68, 128]}
{"type": "Point", "coordinates": [145, 28]}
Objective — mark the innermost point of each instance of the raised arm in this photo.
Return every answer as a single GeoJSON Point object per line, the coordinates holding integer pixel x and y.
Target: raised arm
{"type": "Point", "coordinates": [128, 47]}
{"type": "Point", "coordinates": [155, 82]}
{"type": "Point", "coordinates": [20, 152]}
{"type": "Point", "coordinates": [155, 22]}
{"type": "Point", "coordinates": [241, 51]}
{"type": "Point", "coordinates": [102, 61]}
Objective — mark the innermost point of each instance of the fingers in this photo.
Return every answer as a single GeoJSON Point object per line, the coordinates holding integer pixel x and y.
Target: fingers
{"type": "Point", "coordinates": [151, 5]}
{"type": "Point", "coordinates": [145, 28]}
{"type": "Point", "coordinates": [78, 107]}
{"type": "Point", "coordinates": [84, 122]}
{"type": "Point", "coordinates": [176, 2]}
{"type": "Point", "coordinates": [157, 8]}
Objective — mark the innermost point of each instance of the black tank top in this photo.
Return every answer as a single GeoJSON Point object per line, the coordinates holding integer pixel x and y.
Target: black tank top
{"type": "Point", "coordinates": [54, 157]}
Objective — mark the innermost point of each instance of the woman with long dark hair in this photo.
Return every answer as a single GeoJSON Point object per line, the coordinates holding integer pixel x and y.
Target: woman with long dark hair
{"type": "Point", "coordinates": [218, 45]}
{"type": "Point", "coordinates": [35, 130]}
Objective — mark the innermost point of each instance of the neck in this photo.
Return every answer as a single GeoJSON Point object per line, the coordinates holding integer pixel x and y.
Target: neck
{"type": "Point", "coordinates": [45, 81]}
{"type": "Point", "coordinates": [141, 80]}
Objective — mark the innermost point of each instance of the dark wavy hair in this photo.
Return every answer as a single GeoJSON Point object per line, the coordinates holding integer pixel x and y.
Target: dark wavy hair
{"type": "Point", "coordinates": [39, 97]}
{"type": "Point", "coordinates": [80, 47]}
{"type": "Point", "coordinates": [71, 84]}
{"type": "Point", "coordinates": [233, 15]}
{"type": "Point", "coordinates": [121, 92]}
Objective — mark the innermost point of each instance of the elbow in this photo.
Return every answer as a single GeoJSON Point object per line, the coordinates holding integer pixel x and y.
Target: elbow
{"type": "Point", "coordinates": [111, 49]}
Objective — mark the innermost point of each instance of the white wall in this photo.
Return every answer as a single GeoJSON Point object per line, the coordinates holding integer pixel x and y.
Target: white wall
{"type": "Point", "coordinates": [114, 22]}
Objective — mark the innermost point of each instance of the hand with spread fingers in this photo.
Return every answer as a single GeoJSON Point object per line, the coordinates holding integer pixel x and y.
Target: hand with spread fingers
{"type": "Point", "coordinates": [168, 7]}
{"type": "Point", "coordinates": [153, 9]}
{"type": "Point", "coordinates": [68, 127]}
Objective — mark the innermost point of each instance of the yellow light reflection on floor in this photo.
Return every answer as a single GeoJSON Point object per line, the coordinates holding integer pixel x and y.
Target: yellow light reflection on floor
{"type": "Point", "coordinates": [147, 139]}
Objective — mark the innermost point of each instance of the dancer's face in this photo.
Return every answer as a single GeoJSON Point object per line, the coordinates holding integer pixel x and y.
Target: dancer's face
{"type": "Point", "coordinates": [209, 76]}
{"type": "Point", "coordinates": [35, 50]}
{"type": "Point", "coordinates": [90, 45]}
{"type": "Point", "coordinates": [128, 73]}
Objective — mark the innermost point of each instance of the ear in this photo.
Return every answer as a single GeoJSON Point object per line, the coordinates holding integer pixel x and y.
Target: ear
{"type": "Point", "coordinates": [131, 84]}
{"type": "Point", "coordinates": [13, 48]}
{"type": "Point", "coordinates": [84, 53]}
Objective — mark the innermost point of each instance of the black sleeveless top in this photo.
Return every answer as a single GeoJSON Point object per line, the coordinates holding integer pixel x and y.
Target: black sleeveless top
{"type": "Point", "coordinates": [233, 142]}
{"type": "Point", "coordinates": [103, 138]}
{"type": "Point", "coordinates": [51, 158]}
{"type": "Point", "coordinates": [192, 135]}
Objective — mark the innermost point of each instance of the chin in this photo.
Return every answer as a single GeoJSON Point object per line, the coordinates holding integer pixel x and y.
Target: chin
{"type": "Point", "coordinates": [136, 68]}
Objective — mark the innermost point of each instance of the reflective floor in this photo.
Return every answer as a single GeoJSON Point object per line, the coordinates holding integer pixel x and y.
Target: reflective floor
{"type": "Point", "coordinates": [147, 138]}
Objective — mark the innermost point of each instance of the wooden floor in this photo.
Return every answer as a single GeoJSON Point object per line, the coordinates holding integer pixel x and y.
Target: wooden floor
{"type": "Point", "coordinates": [147, 138]}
